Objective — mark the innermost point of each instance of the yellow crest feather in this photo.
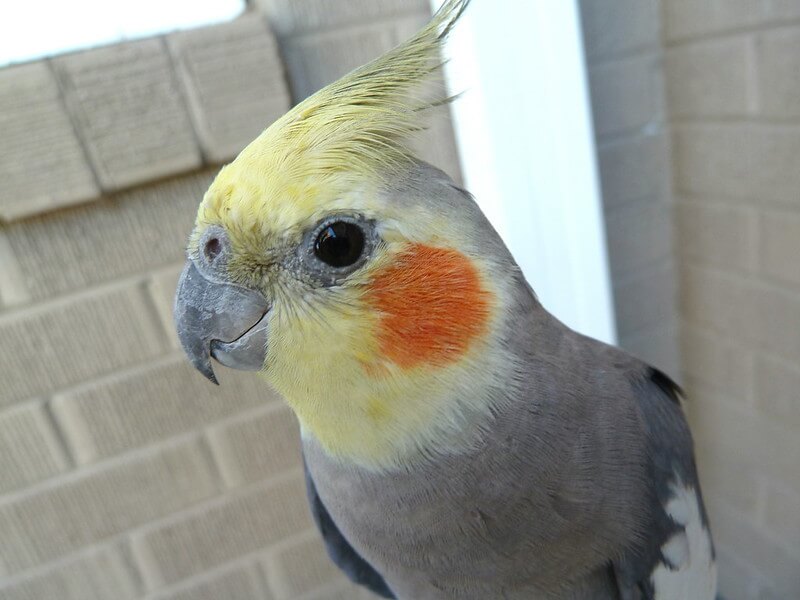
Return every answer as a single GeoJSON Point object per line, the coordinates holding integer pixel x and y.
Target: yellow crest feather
{"type": "Point", "coordinates": [358, 125]}
{"type": "Point", "coordinates": [363, 120]}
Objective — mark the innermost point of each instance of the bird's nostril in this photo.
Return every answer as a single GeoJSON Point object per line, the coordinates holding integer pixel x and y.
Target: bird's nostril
{"type": "Point", "coordinates": [212, 249]}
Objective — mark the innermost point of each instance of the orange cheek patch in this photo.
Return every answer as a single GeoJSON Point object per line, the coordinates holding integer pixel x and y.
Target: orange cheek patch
{"type": "Point", "coordinates": [432, 306]}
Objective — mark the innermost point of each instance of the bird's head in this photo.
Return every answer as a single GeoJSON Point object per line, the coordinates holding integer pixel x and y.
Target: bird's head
{"type": "Point", "coordinates": [362, 283]}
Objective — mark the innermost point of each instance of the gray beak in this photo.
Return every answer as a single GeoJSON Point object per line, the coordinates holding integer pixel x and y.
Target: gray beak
{"type": "Point", "coordinates": [221, 320]}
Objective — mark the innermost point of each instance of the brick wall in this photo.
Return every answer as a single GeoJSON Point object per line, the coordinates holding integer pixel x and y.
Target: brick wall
{"type": "Point", "coordinates": [123, 473]}
{"type": "Point", "coordinates": [733, 89]}
{"type": "Point", "coordinates": [626, 82]}
{"type": "Point", "coordinates": [697, 116]}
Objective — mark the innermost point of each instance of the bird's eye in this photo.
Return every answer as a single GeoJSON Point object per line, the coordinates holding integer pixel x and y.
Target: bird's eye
{"type": "Point", "coordinates": [340, 244]}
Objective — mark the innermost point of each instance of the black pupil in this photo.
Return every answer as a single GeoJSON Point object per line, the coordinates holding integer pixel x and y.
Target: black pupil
{"type": "Point", "coordinates": [340, 244]}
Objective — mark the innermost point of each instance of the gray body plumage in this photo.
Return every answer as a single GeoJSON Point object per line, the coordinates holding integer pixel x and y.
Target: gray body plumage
{"type": "Point", "coordinates": [561, 495]}
{"type": "Point", "coordinates": [557, 467]}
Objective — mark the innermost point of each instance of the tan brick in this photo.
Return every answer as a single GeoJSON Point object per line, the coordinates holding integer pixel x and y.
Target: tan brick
{"type": "Point", "coordinates": [43, 165]}
{"type": "Point", "coordinates": [690, 18]}
{"type": "Point", "coordinates": [639, 235]}
{"type": "Point", "coordinates": [151, 403]}
{"type": "Point", "coordinates": [657, 346]}
{"type": "Point", "coordinates": [29, 447]}
{"type": "Point", "coordinates": [127, 105]}
{"type": "Point", "coordinates": [709, 78]}
{"type": "Point", "coordinates": [300, 568]}
{"type": "Point", "coordinates": [162, 287]}
{"type": "Point", "coordinates": [780, 236]}
{"type": "Point", "coordinates": [314, 61]}
{"type": "Point", "coordinates": [223, 531]}
{"type": "Point", "coordinates": [234, 80]}
{"type": "Point", "coordinates": [782, 9]}
{"type": "Point", "coordinates": [782, 517]}
{"type": "Point", "coordinates": [746, 161]}
{"type": "Point", "coordinates": [297, 16]}
{"type": "Point", "coordinates": [616, 112]}
{"type": "Point", "coordinates": [645, 299]}
{"type": "Point", "coordinates": [257, 446]}
{"type": "Point", "coordinates": [101, 574]}
{"type": "Point", "coordinates": [766, 592]}
{"type": "Point", "coordinates": [779, 72]}
{"type": "Point", "coordinates": [721, 477]}
{"type": "Point", "coordinates": [738, 579]}
{"type": "Point", "coordinates": [634, 169]}
{"type": "Point", "coordinates": [722, 429]}
{"type": "Point", "coordinates": [13, 290]}
{"type": "Point", "coordinates": [611, 28]}
{"type": "Point", "coordinates": [71, 341]}
{"type": "Point", "coordinates": [778, 389]}
{"type": "Point", "coordinates": [742, 310]}
{"type": "Point", "coordinates": [340, 591]}
{"type": "Point", "coordinates": [727, 305]}
{"type": "Point", "coordinates": [127, 234]}
{"type": "Point", "coordinates": [723, 236]}
{"type": "Point", "coordinates": [42, 525]}
{"type": "Point", "coordinates": [238, 583]}
{"type": "Point", "coordinates": [775, 563]}
{"type": "Point", "coordinates": [712, 358]}
{"type": "Point", "coordinates": [777, 309]}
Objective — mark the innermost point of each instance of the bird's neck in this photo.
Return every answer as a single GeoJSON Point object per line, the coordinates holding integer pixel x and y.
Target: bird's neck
{"type": "Point", "coordinates": [382, 414]}
{"type": "Point", "coordinates": [391, 420]}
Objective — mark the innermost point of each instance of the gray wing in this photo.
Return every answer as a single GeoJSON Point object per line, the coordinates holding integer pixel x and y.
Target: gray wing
{"type": "Point", "coordinates": [339, 549]}
{"type": "Point", "coordinates": [678, 552]}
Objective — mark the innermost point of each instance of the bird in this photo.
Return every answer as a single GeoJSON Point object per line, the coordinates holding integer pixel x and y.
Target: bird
{"type": "Point", "coordinates": [458, 440]}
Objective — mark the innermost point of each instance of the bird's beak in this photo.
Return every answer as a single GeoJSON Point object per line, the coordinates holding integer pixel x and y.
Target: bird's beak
{"type": "Point", "coordinates": [221, 320]}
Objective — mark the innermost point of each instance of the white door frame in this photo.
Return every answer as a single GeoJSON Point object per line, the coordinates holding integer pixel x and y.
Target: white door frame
{"type": "Point", "coordinates": [526, 143]}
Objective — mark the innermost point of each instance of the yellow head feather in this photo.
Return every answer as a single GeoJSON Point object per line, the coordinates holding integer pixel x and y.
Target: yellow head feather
{"type": "Point", "coordinates": [354, 130]}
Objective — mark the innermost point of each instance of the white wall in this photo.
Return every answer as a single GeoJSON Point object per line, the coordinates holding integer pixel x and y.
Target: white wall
{"type": "Point", "coordinates": [526, 143]}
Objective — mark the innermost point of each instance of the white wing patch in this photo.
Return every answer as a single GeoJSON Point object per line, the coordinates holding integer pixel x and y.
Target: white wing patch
{"type": "Point", "coordinates": [693, 573]}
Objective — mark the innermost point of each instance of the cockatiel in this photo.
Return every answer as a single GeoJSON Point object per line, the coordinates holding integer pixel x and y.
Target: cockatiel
{"type": "Point", "coordinates": [459, 441]}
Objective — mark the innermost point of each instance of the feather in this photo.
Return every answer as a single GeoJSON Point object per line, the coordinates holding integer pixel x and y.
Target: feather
{"type": "Point", "coordinates": [354, 130]}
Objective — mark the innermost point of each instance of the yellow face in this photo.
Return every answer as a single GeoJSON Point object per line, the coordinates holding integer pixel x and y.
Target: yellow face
{"type": "Point", "coordinates": [369, 347]}
{"type": "Point", "coordinates": [365, 286]}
